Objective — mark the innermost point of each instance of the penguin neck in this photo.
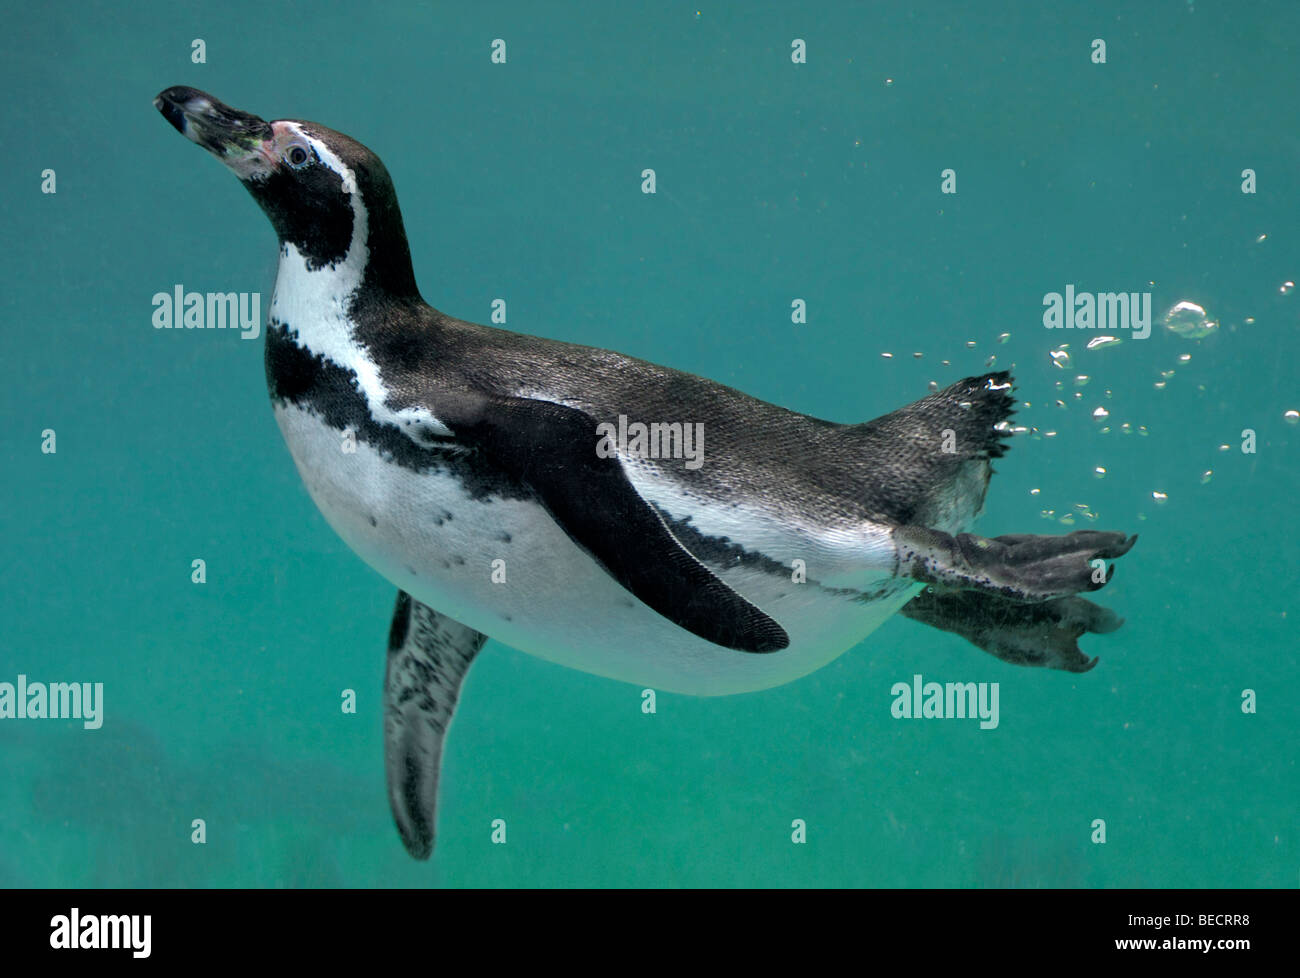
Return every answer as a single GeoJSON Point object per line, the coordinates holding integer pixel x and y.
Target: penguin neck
{"type": "Point", "coordinates": [319, 304]}
{"type": "Point", "coordinates": [388, 272]}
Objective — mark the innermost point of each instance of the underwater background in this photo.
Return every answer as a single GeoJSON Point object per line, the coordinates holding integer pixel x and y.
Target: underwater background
{"type": "Point", "coordinates": [776, 181]}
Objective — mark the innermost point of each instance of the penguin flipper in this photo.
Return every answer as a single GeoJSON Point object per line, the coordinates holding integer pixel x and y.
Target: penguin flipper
{"type": "Point", "coordinates": [428, 656]}
{"type": "Point", "coordinates": [552, 448]}
{"type": "Point", "coordinates": [1043, 634]}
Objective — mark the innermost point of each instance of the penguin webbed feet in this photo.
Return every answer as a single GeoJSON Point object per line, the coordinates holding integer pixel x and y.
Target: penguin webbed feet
{"type": "Point", "coordinates": [1020, 567]}
{"type": "Point", "coordinates": [1014, 596]}
{"type": "Point", "coordinates": [1044, 634]}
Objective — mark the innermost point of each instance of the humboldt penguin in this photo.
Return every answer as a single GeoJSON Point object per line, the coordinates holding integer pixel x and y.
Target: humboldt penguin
{"type": "Point", "coordinates": [599, 511]}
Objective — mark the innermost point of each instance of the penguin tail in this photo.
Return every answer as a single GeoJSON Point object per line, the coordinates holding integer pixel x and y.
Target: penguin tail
{"type": "Point", "coordinates": [965, 420]}
{"type": "Point", "coordinates": [938, 450]}
{"type": "Point", "coordinates": [974, 410]}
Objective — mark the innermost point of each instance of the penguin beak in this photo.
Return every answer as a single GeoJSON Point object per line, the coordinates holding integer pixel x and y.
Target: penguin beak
{"type": "Point", "coordinates": [240, 140]}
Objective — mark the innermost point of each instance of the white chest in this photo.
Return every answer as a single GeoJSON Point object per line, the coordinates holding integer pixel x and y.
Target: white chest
{"type": "Point", "coordinates": [506, 569]}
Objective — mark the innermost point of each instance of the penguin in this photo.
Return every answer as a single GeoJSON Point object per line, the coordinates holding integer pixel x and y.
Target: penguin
{"type": "Point", "coordinates": [599, 511]}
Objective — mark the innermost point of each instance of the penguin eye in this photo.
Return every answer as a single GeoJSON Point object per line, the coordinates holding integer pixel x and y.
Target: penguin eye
{"type": "Point", "coordinates": [297, 156]}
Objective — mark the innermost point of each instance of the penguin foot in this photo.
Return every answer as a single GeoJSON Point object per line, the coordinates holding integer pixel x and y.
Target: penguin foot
{"type": "Point", "coordinates": [1044, 634]}
{"type": "Point", "coordinates": [1020, 567]}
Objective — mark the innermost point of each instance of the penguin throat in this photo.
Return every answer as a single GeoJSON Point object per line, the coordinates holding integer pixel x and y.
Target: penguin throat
{"type": "Point", "coordinates": [313, 298]}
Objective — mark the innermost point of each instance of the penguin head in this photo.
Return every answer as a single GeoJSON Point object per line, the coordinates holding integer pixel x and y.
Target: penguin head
{"type": "Point", "coordinates": [327, 196]}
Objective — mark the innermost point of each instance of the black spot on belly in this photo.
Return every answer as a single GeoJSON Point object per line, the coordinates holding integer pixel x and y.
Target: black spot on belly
{"type": "Point", "coordinates": [458, 561]}
{"type": "Point", "coordinates": [505, 538]}
{"type": "Point", "coordinates": [411, 570]}
{"type": "Point", "coordinates": [373, 521]}
{"type": "Point", "coordinates": [505, 617]}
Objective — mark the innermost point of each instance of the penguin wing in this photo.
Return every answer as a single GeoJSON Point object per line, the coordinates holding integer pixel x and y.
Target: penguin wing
{"type": "Point", "coordinates": [552, 448]}
{"type": "Point", "coordinates": [428, 657]}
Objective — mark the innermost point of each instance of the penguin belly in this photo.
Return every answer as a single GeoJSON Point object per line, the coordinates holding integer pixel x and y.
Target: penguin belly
{"type": "Point", "coordinates": [504, 567]}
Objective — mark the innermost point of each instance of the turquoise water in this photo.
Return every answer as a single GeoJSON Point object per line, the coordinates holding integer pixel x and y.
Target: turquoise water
{"type": "Point", "coordinates": [776, 181]}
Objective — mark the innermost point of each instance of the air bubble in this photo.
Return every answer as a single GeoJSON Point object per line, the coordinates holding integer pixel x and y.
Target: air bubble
{"type": "Point", "coordinates": [1104, 342]}
{"type": "Point", "coordinates": [1189, 320]}
{"type": "Point", "coordinates": [1291, 417]}
{"type": "Point", "coordinates": [1099, 472]}
{"type": "Point", "coordinates": [1160, 497]}
{"type": "Point", "coordinates": [1100, 413]}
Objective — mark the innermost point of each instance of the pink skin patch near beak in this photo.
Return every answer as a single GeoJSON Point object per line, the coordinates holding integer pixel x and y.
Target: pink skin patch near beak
{"type": "Point", "coordinates": [260, 161]}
